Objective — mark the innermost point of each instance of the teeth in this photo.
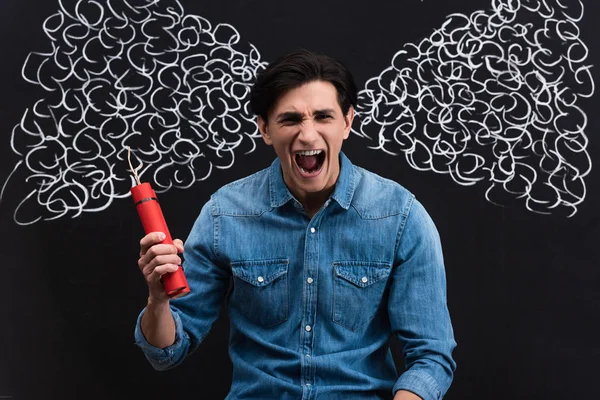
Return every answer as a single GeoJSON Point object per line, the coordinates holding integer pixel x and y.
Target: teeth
{"type": "Point", "coordinates": [310, 152]}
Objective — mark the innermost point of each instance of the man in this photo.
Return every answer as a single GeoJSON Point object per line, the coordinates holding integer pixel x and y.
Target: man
{"type": "Point", "coordinates": [327, 261]}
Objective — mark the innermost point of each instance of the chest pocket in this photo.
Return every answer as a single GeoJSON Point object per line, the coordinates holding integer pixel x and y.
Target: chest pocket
{"type": "Point", "coordinates": [357, 291]}
{"type": "Point", "coordinates": [260, 290]}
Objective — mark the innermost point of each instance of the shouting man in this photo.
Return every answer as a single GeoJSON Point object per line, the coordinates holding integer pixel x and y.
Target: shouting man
{"type": "Point", "coordinates": [321, 260]}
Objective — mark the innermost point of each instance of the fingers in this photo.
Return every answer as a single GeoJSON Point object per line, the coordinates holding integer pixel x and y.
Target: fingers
{"type": "Point", "coordinates": [165, 268]}
{"type": "Point", "coordinates": [149, 240]}
{"type": "Point", "coordinates": [154, 258]}
{"type": "Point", "coordinates": [158, 250]}
{"type": "Point", "coordinates": [157, 259]}
{"type": "Point", "coordinates": [156, 237]}
{"type": "Point", "coordinates": [153, 279]}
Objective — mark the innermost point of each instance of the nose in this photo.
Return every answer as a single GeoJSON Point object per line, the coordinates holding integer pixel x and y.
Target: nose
{"type": "Point", "coordinates": [308, 133]}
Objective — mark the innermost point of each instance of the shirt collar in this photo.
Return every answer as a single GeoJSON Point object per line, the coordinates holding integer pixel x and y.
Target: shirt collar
{"type": "Point", "coordinates": [344, 187]}
{"type": "Point", "coordinates": [343, 192]}
{"type": "Point", "coordinates": [279, 191]}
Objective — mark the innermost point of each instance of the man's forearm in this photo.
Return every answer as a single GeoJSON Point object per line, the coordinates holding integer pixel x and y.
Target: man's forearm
{"type": "Point", "coordinates": [158, 325]}
{"type": "Point", "coordinates": [406, 395]}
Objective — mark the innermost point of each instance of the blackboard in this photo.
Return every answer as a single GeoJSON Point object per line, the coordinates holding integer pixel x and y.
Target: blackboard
{"type": "Point", "coordinates": [485, 109]}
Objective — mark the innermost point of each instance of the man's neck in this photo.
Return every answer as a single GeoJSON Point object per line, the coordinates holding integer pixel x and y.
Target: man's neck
{"type": "Point", "coordinates": [312, 202]}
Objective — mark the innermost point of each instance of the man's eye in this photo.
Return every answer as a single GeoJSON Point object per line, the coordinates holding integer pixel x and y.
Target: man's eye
{"type": "Point", "coordinates": [323, 117]}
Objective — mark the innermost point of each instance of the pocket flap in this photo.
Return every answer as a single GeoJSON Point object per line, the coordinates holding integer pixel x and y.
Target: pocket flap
{"type": "Point", "coordinates": [362, 273]}
{"type": "Point", "coordinates": [260, 272]}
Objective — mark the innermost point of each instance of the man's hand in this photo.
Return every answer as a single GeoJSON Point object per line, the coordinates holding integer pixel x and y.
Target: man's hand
{"type": "Point", "coordinates": [406, 395]}
{"type": "Point", "coordinates": [156, 260]}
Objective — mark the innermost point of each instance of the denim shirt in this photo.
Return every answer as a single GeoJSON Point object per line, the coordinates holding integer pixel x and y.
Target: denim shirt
{"type": "Point", "coordinates": [313, 302]}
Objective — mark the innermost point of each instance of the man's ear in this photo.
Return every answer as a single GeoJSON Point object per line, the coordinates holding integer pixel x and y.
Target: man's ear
{"type": "Point", "coordinates": [264, 130]}
{"type": "Point", "coordinates": [348, 118]}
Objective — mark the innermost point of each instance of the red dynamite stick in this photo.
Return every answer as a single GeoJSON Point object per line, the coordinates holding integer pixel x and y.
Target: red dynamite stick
{"type": "Point", "coordinates": [152, 218]}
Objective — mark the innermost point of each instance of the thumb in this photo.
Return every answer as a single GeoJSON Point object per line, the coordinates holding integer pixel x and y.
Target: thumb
{"type": "Point", "coordinates": [179, 244]}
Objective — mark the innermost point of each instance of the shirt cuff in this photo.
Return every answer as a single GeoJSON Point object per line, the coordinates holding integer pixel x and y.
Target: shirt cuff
{"type": "Point", "coordinates": [420, 383]}
{"type": "Point", "coordinates": [161, 359]}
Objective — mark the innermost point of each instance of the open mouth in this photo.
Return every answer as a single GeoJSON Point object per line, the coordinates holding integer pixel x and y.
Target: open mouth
{"type": "Point", "coordinates": [310, 162]}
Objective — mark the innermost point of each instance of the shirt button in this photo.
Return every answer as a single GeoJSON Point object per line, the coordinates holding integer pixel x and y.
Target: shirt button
{"type": "Point", "coordinates": [364, 279]}
{"type": "Point", "coordinates": [312, 230]}
{"type": "Point", "coordinates": [261, 279]}
{"type": "Point", "coordinates": [308, 328]}
{"type": "Point", "coordinates": [309, 280]}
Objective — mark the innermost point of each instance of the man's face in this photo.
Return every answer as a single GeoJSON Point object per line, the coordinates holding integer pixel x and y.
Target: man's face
{"type": "Point", "coordinates": [306, 128]}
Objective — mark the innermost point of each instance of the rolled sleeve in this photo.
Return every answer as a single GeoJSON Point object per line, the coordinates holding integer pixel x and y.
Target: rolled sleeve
{"type": "Point", "coordinates": [418, 309]}
{"type": "Point", "coordinates": [168, 357]}
{"type": "Point", "coordinates": [420, 383]}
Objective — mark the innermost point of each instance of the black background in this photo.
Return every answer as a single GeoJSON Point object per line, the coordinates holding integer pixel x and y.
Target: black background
{"type": "Point", "coordinates": [522, 287]}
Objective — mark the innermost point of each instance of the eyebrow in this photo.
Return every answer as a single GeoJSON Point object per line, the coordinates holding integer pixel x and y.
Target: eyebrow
{"type": "Point", "coordinates": [296, 115]}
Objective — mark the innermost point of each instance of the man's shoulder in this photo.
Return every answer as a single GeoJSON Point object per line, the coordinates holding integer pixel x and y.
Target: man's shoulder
{"type": "Point", "coordinates": [378, 197]}
{"type": "Point", "coordinates": [248, 196]}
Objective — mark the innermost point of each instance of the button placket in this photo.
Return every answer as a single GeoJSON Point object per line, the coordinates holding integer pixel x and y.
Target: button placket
{"type": "Point", "coordinates": [310, 290]}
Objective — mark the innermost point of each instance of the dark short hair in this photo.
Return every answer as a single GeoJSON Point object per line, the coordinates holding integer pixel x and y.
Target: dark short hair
{"type": "Point", "coordinates": [295, 69]}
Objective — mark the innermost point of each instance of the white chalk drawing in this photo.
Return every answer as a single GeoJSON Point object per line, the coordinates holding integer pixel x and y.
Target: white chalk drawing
{"type": "Point", "coordinates": [491, 98]}
{"type": "Point", "coordinates": [139, 74]}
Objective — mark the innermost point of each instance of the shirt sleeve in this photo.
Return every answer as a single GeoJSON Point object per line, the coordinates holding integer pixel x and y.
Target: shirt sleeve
{"type": "Point", "coordinates": [194, 313]}
{"type": "Point", "coordinates": [418, 308]}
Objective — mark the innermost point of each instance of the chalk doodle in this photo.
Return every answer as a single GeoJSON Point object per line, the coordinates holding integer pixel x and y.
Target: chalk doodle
{"type": "Point", "coordinates": [137, 74]}
{"type": "Point", "coordinates": [491, 98]}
